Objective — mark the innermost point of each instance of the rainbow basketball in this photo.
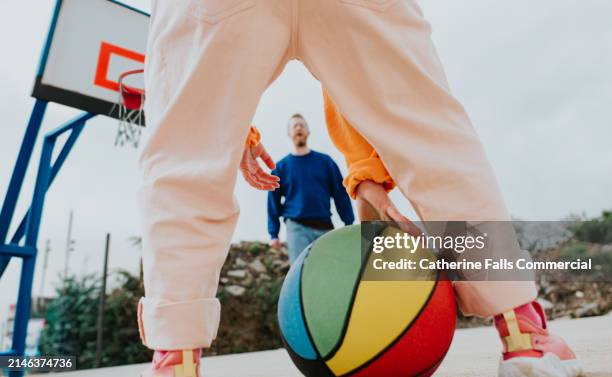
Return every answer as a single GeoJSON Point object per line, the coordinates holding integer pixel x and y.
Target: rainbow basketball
{"type": "Point", "coordinates": [336, 320]}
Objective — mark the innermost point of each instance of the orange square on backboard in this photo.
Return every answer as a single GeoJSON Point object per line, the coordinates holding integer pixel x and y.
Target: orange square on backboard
{"type": "Point", "coordinates": [104, 57]}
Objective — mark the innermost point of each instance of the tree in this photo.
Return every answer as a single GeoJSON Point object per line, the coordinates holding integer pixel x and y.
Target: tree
{"type": "Point", "coordinates": [71, 322]}
{"type": "Point", "coordinates": [597, 230]}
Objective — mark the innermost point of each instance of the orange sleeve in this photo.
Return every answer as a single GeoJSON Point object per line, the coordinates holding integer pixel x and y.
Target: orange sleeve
{"type": "Point", "coordinates": [361, 158]}
{"type": "Point", "coordinates": [253, 138]}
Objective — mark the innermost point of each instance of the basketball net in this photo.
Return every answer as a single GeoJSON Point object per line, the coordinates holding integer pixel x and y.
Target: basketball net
{"type": "Point", "coordinates": [130, 111]}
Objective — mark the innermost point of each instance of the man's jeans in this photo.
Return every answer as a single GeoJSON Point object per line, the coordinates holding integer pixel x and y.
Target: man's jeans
{"type": "Point", "coordinates": [299, 236]}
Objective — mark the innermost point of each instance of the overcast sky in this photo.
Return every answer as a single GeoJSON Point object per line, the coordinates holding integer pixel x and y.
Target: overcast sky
{"type": "Point", "coordinates": [535, 76]}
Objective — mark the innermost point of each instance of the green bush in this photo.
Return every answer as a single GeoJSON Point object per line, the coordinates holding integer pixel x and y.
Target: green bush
{"type": "Point", "coordinates": [71, 320]}
{"type": "Point", "coordinates": [268, 295]}
{"type": "Point", "coordinates": [573, 251]}
{"type": "Point", "coordinates": [71, 323]}
{"type": "Point", "coordinates": [597, 230]}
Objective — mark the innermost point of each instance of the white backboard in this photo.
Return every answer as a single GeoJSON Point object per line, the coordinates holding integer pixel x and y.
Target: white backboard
{"type": "Point", "coordinates": [90, 43]}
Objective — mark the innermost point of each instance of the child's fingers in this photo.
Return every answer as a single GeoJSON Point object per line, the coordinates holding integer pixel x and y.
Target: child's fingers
{"type": "Point", "coordinates": [249, 179]}
{"type": "Point", "coordinates": [266, 158]}
{"type": "Point", "coordinates": [403, 222]}
{"type": "Point", "coordinates": [253, 167]}
{"type": "Point", "coordinates": [262, 182]}
{"type": "Point", "coordinates": [267, 186]}
{"type": "Point", "coordinates": [258, 178]}
{"type": "Point", "coordinates": [265, 176]}
{"type": "Point", "coordinates": [270, 178]}
{"type": "Point", "coordinates": [395, 214]}
{"type": "Point", "coordinates": [254, 182]}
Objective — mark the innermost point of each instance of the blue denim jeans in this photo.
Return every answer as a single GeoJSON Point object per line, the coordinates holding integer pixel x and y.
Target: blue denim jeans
{"type": "Point", "coordinates": [299, 236]}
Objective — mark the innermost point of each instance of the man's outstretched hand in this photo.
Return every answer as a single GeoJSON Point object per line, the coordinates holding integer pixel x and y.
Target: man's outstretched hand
{"type": "Point", "coordinates": [253, 173]}
{"type": "Point", "coordinates": [373, 203]}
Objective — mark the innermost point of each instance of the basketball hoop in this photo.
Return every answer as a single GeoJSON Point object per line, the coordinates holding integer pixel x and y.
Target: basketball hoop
{"type": "Point", "coordinates": [131, 111]}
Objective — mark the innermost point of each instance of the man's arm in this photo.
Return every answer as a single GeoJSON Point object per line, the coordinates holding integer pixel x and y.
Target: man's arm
{"type": "Point", "coordinates": [341, 198]}
{"type": "Point", "coordinates": [274, 210]}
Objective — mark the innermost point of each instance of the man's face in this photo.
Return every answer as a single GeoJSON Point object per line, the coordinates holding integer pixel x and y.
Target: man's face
{"type": "Point", "coordinates": [298, 131]}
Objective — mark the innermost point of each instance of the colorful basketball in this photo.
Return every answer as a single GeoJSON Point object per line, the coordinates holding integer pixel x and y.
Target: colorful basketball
{"type": "Point", "coordinates": [337, 321]}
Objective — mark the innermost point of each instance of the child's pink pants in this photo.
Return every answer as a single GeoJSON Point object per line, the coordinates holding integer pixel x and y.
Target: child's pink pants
{"type": "Point", "coordinates": [209, 61]}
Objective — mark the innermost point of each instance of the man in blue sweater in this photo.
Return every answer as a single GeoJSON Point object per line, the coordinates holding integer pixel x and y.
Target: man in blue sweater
{"type": "Point", "coordinates": [308, 181]}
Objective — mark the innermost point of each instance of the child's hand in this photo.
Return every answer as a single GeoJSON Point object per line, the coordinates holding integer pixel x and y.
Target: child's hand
{"type": "Point", "coordinates": [253, 173]}
{"type": "Point", "coordinates": [373, 203]}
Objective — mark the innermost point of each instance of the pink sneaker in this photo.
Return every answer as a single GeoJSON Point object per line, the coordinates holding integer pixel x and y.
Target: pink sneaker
{"type": "Point", "coordinates": [185, 363]}
{"type": "Point", "coordinates": [529, 349]}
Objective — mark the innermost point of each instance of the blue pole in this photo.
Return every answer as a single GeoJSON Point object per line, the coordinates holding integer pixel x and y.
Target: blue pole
{"type": "Point", "coordinates": [30, 226]}
{"type": "Point", "coordinates": [24, 300]}
{"type": "Point", "coordinates": [21, 166]}
{"type": "Point", "coordinates": [40, 190]}
{"type": "Point", "coordinates": [18, 175]}
{"type": "Point", "coordinates": [76, 125]}
{"type": "Point", "coordinates": [22, 311]}
{"type": "Point", "coordinates": [4, 261]}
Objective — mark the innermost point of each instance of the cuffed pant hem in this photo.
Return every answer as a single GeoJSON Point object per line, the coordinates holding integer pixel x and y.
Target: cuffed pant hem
{"type": "Point", "coordinates": [166, 325]}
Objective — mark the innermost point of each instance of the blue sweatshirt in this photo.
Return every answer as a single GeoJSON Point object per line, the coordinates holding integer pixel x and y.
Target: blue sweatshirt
{"type": "Point", "coordinates": [307, 184]}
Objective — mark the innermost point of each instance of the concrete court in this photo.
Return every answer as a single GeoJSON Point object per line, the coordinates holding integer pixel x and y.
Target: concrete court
{"type": "Point", "coordinates": [474, 353]}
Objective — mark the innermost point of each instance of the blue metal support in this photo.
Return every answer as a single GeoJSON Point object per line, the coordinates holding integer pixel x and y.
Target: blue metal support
{"type": "Point", "coordinates": [17, 251]}
{"type": "Point", "coordinates": [30, 224]}
{"type": "Point", "coordinates": [19, 171]}
{"type": "Point", "coordinates": [21, 166]}
{"type": "Point", "coordinates": [5, 258]}
{"type": "Point", "coordinates": [76, 126]}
